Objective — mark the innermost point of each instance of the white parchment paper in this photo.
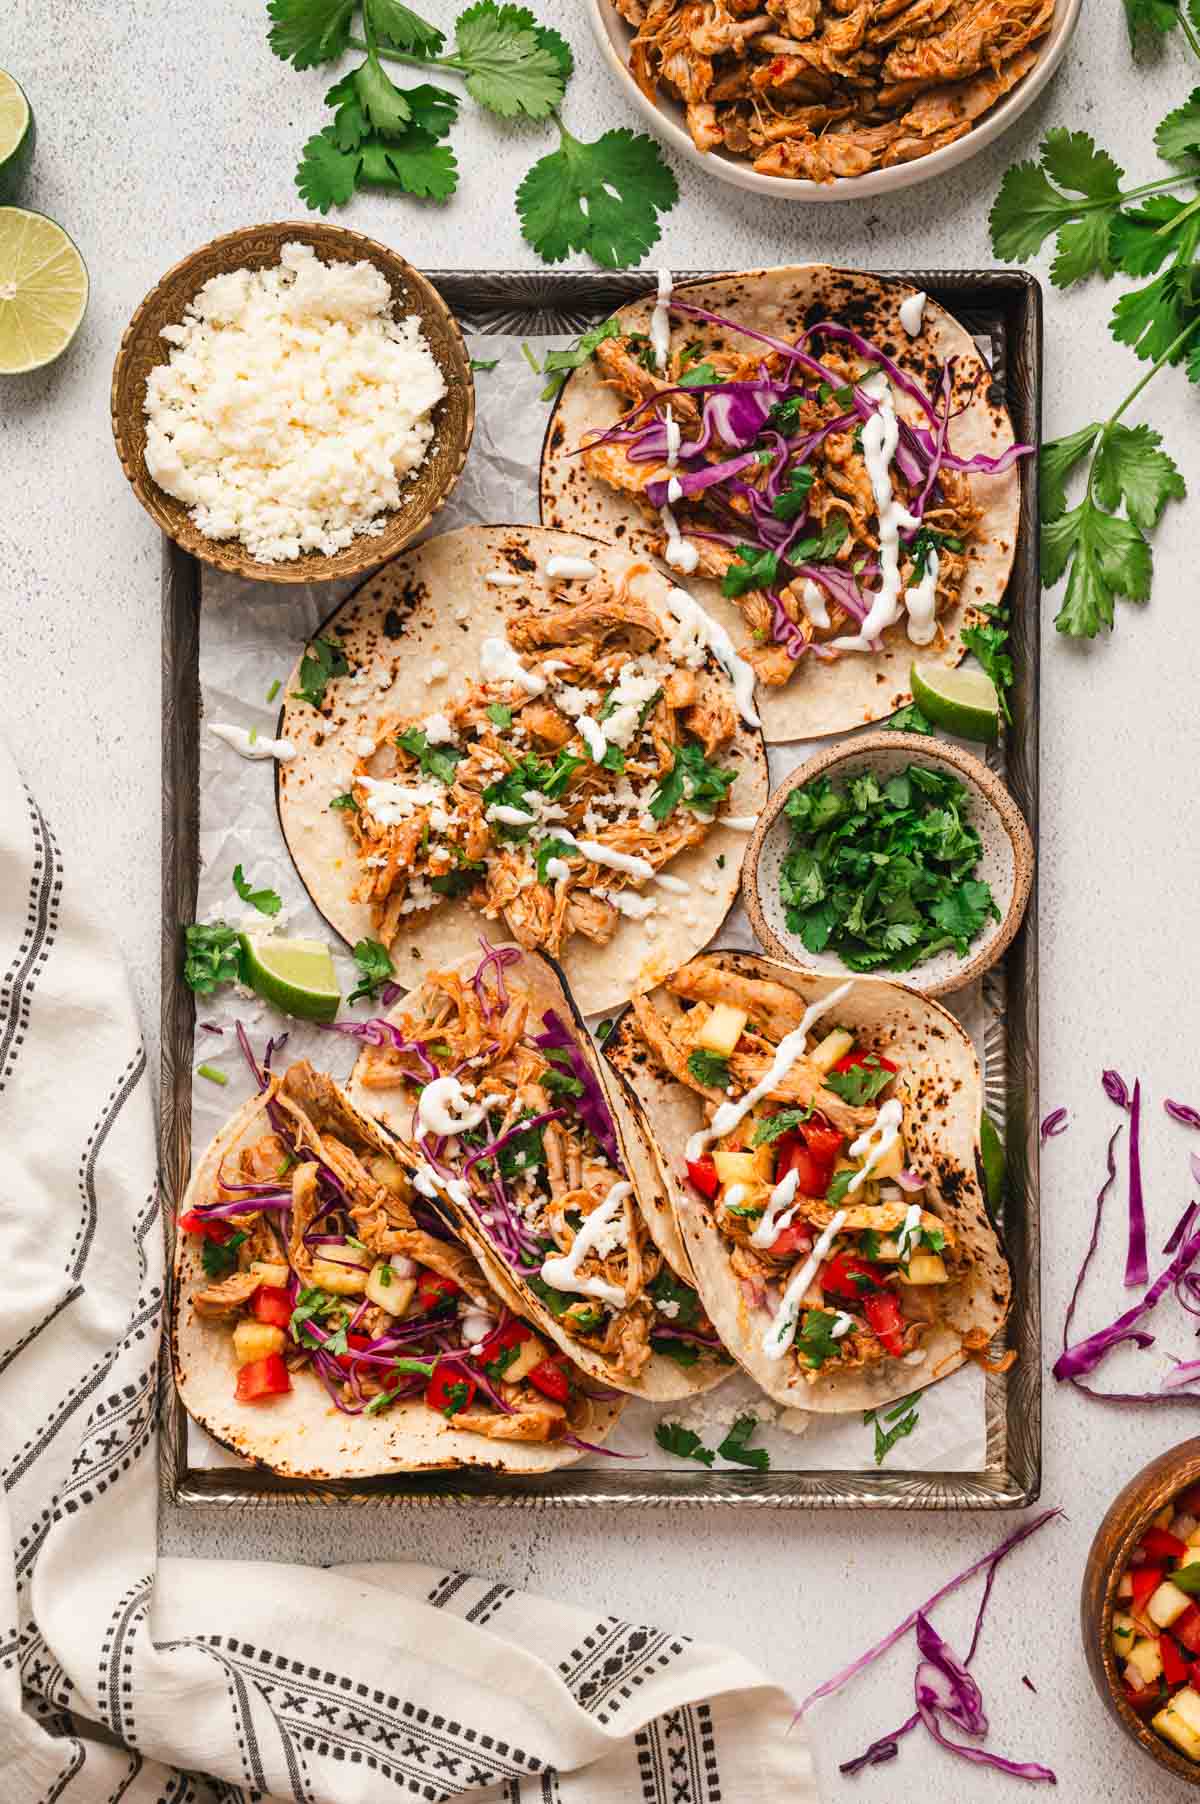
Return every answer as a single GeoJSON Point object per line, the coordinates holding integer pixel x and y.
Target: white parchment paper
{"type": "Point", "coordinates": [250, 638]}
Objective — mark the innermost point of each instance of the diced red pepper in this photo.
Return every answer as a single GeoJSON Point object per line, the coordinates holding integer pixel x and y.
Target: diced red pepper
{"type": "Point", "coordinates": [886, 1322]}
{"type": "Point", "coordinates": [795, 1238]}
{"type": "Point", "coordinates": [356, 1343]}
{"type": "Point", "coordinates": [450, 1389]}
{"type": "Point", "coordinates": [1143, 1700]}
{"type": "Point", "coordinates": [703, 1174]}
{"type": "Point", "coordinates": [839, 1276]}
{"type": "Point", "coordinates": [1176, 1667]}
{"type": "Point", "coordinates": [1186, 1628]}
{"type": "Point", "coordinates": [861, 1057]}
{"type": "Point", "coordinates": [1145, 1580]}
{"type": "Point", "coordinates": [262, 1378]}
{"type": "Point", "coordinates": [193, 1223]}
{"type": "Point", "coordinates": [273, 1305]}
{"type": "Point", "coordinates": [1158, 1544]}
{"type": "Point", "coordinates": [812, 1173]}
{"type": "Point", "coordinates": [433, 1290]}
{"type": "Point", "coordinates": [551, 1380]}
{"type": "Point", "coordinates": [823, 1141]}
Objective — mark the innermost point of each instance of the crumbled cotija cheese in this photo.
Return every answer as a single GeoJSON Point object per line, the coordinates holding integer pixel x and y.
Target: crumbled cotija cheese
{"type": "Point", "coordinates": [292, 407]}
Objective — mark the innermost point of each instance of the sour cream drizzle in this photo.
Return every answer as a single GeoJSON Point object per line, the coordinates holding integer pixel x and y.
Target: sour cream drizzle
{"type": "Point", "coordinates": [605, 855]}
{"type": "Point", "coordinates": [258, 747]}
{"type": "Point", "coordinates": [444, 1108]}
{"type": "Point", "coordinates": [813, 597]}
{"type": "Point", "coordinates": [878, 1139]}
{"type": "Point", "coordinates": [789, 1050]}
{"type": "Point", "coordinates": [782, 1331]}
{"type": "Point", "coordinates": [906, 1240]}
{"type": "Point", "coordinates": [912, 313]}
{"type": "Point", "coordinates": [563, 1271]}
{"type": "Point", "coordinates": [660, 320]}
{"type": "Point", "coordinates": [571, 568]}
{"type": "Point", "coordinates": [921, 601]}
{"type": "Point", "coordinates": [781, 1206]}
{"type": "Point", "coordinates": [681, 555]}
{"type": "Point", "coordinates": [502, 579]}
{"type": "Point", "coordinates": [709, 634]}
{"type": "Point", "coordinates": [880, 437]}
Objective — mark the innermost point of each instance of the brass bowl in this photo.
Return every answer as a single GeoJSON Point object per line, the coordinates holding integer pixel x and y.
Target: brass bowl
{"type": "Point", "coordinates": [1122, 1528]}
{"type": "Point", "coordinates": [258, 247]}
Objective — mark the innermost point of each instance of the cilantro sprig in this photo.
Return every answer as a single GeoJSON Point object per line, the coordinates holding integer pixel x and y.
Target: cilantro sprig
{"type": "Point", "coordinates": [892, 1424]}
{"type": "Point", "coordinates": [1074, 194]}
{"type": "Point", "coordinates": [603, 198]}
{"type": "Point", "coordinates": [375, 968]}
{"type": "Point", "coordinates": [267, 901]}
{"type": "Point", "coordinates": [212, 956]}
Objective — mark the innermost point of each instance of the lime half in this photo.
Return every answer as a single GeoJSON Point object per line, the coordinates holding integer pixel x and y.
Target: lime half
{"type": "Point", "coordinates": [296, 975]}
{"type": "Point", "coordinates": [16, 137]}
{"type": "Point", "coordinates": [961, 701]}
{"type": "Point", "coordinates": [995, 1163]}
{"type": "Point", "coordinates": [43, 291]}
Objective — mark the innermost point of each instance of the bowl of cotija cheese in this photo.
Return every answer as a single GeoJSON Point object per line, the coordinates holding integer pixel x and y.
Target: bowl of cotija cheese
{"type": "Point", "coordinates": [293, 403]}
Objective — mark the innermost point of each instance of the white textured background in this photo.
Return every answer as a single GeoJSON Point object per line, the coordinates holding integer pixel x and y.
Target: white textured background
{"type": "Point", "coordinates": [161, 125]}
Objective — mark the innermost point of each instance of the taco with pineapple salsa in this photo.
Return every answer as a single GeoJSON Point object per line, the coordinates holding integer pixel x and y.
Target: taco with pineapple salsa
{"type": "Point", "coordinates": [820, 1141]}
{"type": "Point", "coordinates": [527, 727]}
{"type": "Point", "coordinates": [330, 1324]}
{"type": "Point", "coordinates": [488, 1076]}
{"type": "Point", "coordinates": [820, 456]}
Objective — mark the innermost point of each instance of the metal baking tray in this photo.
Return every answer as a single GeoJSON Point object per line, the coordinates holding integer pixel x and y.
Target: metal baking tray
{"type": "Point", "coordinates": [1003, 309]}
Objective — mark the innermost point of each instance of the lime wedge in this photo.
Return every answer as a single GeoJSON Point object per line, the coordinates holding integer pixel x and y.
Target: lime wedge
{"type": "Point", "coordinates": [16, 137]}
{"type": "Point", "coordinates": [296, 975]}
{"type": "Point", "coordinates": [995, 1162]}
{"type": "Point", "coordinates": [43, 291]}
{"type": "Point", "coordinates": [961, 701]}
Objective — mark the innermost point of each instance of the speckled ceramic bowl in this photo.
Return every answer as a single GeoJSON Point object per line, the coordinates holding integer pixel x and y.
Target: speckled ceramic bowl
{"type": "Point", "coordinates": [1122, 1528]}
{"type": "Point", "coordinates": [258, 247]}
{"type": "Point", "coordinates": [1007, 862]}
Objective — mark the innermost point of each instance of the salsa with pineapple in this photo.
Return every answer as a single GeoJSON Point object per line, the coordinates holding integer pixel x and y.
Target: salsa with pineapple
{"type": "Point", "coordinates": [1156, 1624]}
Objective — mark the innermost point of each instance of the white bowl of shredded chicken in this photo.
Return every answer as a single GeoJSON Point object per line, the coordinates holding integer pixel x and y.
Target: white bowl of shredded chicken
{"type": "Point", "coordinates": [803, 100]}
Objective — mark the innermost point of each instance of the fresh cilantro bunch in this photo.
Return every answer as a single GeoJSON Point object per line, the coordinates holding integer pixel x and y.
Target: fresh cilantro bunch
{"type": "Point", "coordinates": [602, 198]}
{"type": "Point", "coordinates": [883, 874]}
{"type": "Point", "coordinates": [1074, 193]}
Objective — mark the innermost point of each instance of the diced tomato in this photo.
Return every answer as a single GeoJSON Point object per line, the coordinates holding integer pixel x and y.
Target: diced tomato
{"type": "Point", "coordinates": [192, 1223]}
{"type": "Point", "coordinates": [511, 1334]}
{"type": "Point", "coordinates": [356, 1342]}
{"type": "Point", "coordinates": [262, 1378]}
{"type": "Point", "coordinates": [794, 1155]}
{"type": "Point", "coordinates": [433, 1290]}
{"type": "Point", "coordinates": [860, 1057]}
{"type": "Point", "coordinates": [1159, 1544]}
{"type": "Point", "coordinates": [450, 1389]}
{"type": "Point", "coordinates": [823, 1141]}
{"type": "Point", "coordinates": [795, 1238]}
{"type": "Point", "coordinates": [1143, 1700]}
{"type": "Point", "coordinates": [1176, 1667]}
{"type": "Point", "coordinates": [703, 1174]}
{"type": "Point", "coordinates": [272, 1304]}
{"type": "Point", "coordinates": [1186, 1628]}
{"type": "Point", "coordinates": [839, 1274]}
{"type": "Point", "coordinates": [887, 1324]}
{"type": "Point", "coordinates": [1189, 1503]}
{"type": "Point", "coordinates": [1146, 1580]}
{"type": "Point", "coordinates": [551, 1380]}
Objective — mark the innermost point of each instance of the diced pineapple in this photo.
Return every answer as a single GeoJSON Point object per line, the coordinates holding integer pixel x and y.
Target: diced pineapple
{"type": "Point", "coordinates": [1167, 1604]}
{"type": "Point", "coordinates": [744, 1167]}
{"type": "Point", "coordinates": [530, 1353]}
{"type": "Point", "coordinates": [387, 1288]}
{"type": "Point", "coordinates": [925, 1268]}
{"type": "Point", "coordinates": [723, 1029]}
{"type": "Point", "coordinates": [836, 1044]}
{"type": "Point", "coordinates": [256, 1340]}
{"type": "Point", "coordinates": [1172, 1728]}
{"type": "Point", "coordinates": [747, 1196]}
{"type": "Point", "coordinates": [389, 1173]}
{"type": "Point", "coordinates": [1123, 1634]}
{"type": "Point", "coordinates": [1191, 1556]}
{"type": "Point", "coordinates": [891, 1164]}
{"type": "Point", "coordinates": [1187, 1703]}
{"type": "Point", "coordinates": [1146, 1660]}
{"type": "Point", "coordinates": [347, 1277]}
{"type": "Point", "coordinates": [276, 1275]}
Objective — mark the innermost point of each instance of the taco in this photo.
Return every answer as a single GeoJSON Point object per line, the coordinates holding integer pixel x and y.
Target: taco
{"type": "Point", "coordinates": [821, 1144]}
{"type": "Point", "coordinates": [818, 455]}
{"type": "Point", "coordinates": [488, 1074]}
{"type": "Point", "coordinates": [529, 727]}
{"type": "Point", "coordinates": [329, 1324]}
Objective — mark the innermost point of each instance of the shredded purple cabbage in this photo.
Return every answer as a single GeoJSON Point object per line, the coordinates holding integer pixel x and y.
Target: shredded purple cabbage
{"type": "Point", "coordinates": [944, 1688]}
{"type": "Point", "coordinates": [592, 1107]}
{"type": "Point", "coordinates": [1116, 1089]}
{"type": "Point", "coordinates": [1184, 1112]}
{"type": "Point", "coordinates": [1182, 1228]}
{"type": "Point", "coordinates": [1137, 1269]}
{"type": "Point", "coordinates": [1053, 1124]}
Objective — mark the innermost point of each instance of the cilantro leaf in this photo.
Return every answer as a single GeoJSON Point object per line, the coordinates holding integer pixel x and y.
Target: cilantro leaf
{"type": "Point", "coordinates": [403, 29]}
{"type": "Point", "coordinates": [1108, 557]}
{"type": "Point", "coordinates": [683, 1352]}
{"type": "Point", "coordinates": [1159, 16]}
{"type": "Point", "coordinates": [988, 639]}
{"type": "Point", "coordinates": [345, 802]}
{"type": "Point", "coordinates": [559, 364]}
{"type": "Point", "coordinates": [692, 781]}
{"type": "Point", "coordinates": [815, 1343]}
{"type": "Point", "coordinates": [307, 32]}
{"type": "Point", "coordinates": [438, 761]}
{"type": "Point", "coordinates": [499, 715]}
{"type": "Point", "coordinates": [903, 1417]}
{"type": "Point", "coordinates": [1178, 136]}
{"type": "Point", "coordinates": [964, 912]}
{"type": "Point", "coordinates": [908, 720]}
{"type": "Point", "coordinates": [212, 956]}
{"type": "Point", "coordinates": [219, 1258]}
{"type": "Point", "coordinates": [1152, 318]}
{"type": "Point", "coordinates": [1057, 460]}
{"type": "Point", "coordinates": [839, 1184]}
{"type": "Point", "coordinates": [381, 100]}
{"type": "Point", "coordinates": [486, 364]}
{"type": "Point", "coordinates": [266, 901]}
{"type": "Point", "coordinates": [792, 500]}
{"type": "Point", "coordinates": [375, 968]}
{"type": "Point", "coordinates": [323, 660]}
{"type": "Point", "coordinates": [511, 66]}
{"type": "Point", "coordinates": [708, 1067]}
{"type": "Point", "coordinates": [771, 1127]}
{"type": "Point", "coordinates": [552, 848]}
{"type": "Point", "coordinates": [327, 176]}
{"type": "Point", "coordinates": [823, 546]}
{"type": "Point", "coordinates": [682, 1302]}
{"type": "Point", "coordinates": [602, 198]}
{"type": "Point", "coordinates": [862, 1083]}
{"type": "Point", "coordinates": [415, 164]}
{"type": "Point", "coordinates": [700, 376]}
{"type": "Point", "coordinates": [1029, 207]}
{"type": "Point", "coordinates": [734, 1449]}
{"type": "Point", "coordinates": [672, 1437]}
{"type": "Point", "coordinates": [1141, 238]}
{"type": "Point", "coordinates": [754, 567]}
{"type": "Point", "coordinates": [1130, 467]}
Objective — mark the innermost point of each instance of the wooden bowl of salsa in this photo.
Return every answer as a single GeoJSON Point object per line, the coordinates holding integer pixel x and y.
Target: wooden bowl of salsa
{"type": "Point", "coordinates": [1141, 1628]}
